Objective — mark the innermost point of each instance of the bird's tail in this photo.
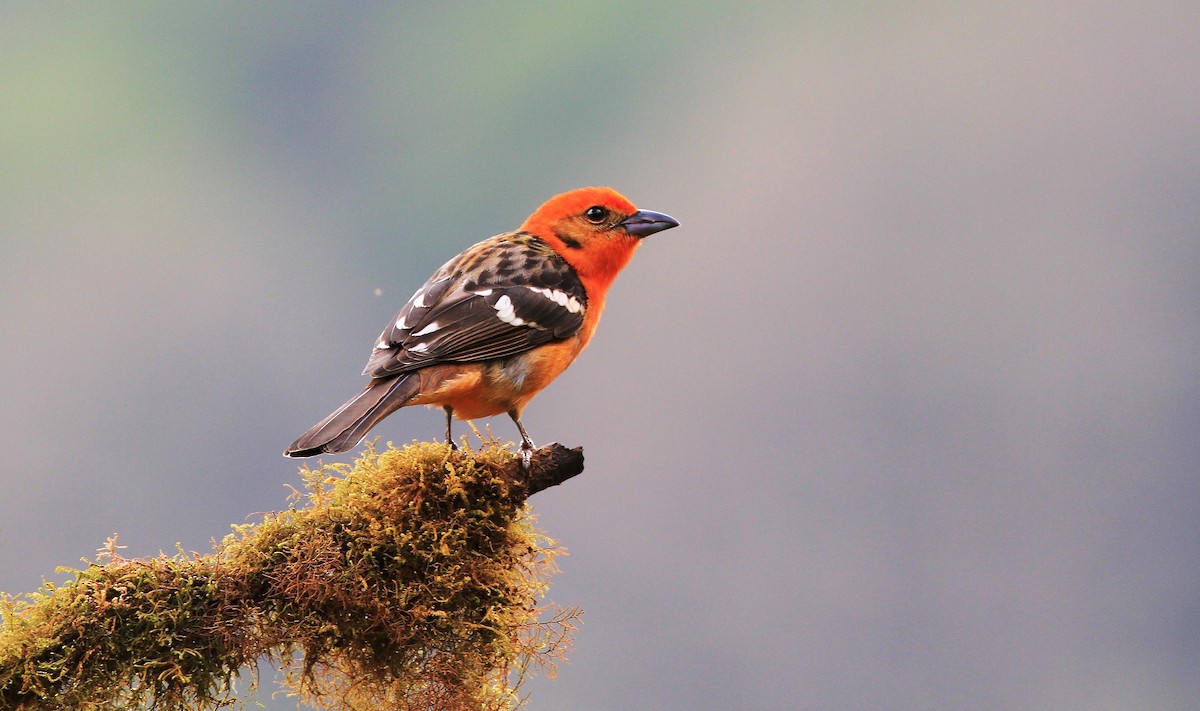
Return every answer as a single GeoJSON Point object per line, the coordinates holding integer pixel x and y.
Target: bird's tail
{"type": "Point", "coordinates": [348, 424]}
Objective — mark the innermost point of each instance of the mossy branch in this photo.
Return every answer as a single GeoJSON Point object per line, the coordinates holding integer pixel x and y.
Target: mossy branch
{"type": "Point", "coordinates": [411, 579]}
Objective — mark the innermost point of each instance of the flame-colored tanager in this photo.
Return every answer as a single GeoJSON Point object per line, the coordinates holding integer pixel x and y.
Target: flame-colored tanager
{"type": "Point", "coordinates": [498, 322]}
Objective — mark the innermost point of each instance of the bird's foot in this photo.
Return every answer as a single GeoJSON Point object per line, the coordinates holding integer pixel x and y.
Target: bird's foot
{"type": "Point", "coordinates": [526, 455]}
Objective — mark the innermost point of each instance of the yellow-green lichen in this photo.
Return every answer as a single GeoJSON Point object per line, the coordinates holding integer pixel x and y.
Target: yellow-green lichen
{"type": "Point", "coordinates": [410, 579]}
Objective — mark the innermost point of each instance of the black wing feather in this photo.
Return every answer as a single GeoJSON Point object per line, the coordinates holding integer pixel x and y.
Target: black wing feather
{"type": "Point", "coordinates": [464, 308]}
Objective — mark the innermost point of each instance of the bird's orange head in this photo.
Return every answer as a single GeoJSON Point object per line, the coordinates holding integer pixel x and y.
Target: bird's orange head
{"type": "Point", "coordinates": [596, 230]}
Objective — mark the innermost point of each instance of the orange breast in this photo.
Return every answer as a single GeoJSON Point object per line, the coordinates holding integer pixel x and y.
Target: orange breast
{"type": "Point", "coordinates": [477, 390]}
{"type": "Point", "coordinates": [495, 387]}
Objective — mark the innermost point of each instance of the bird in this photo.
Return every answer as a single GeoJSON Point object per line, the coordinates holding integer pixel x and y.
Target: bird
{"type": "Point", "coordinates": [498, 322]}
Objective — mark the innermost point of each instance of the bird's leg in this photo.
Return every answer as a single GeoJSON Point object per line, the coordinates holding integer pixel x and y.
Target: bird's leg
{"type": "Point", "coordinates": [526, 443]}
{"type": "Point", "coordinates": [449, 418]}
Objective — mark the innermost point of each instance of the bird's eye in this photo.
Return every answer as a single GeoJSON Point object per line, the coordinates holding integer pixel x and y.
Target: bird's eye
{"type": "Point", "coordinates": [595, 214]}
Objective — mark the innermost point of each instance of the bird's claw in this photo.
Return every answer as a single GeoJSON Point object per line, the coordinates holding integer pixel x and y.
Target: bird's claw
{"type": "Point", "coordinates": [526, 455]}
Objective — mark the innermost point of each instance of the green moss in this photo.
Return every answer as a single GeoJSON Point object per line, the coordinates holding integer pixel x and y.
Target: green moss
{"type": "Point", "coordinates": [412, 579]}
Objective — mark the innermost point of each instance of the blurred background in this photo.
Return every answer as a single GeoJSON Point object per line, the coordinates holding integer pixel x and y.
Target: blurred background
{"type": "Point", "coordinates": [905, 415]}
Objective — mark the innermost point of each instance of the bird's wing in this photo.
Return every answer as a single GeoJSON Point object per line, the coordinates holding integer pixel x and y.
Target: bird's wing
{"type": "Point", "coordinates": [499, 298]}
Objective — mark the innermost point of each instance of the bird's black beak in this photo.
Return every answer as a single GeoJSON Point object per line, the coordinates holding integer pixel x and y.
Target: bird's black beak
{"type": "Point", "coordinates": [644, 223]}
